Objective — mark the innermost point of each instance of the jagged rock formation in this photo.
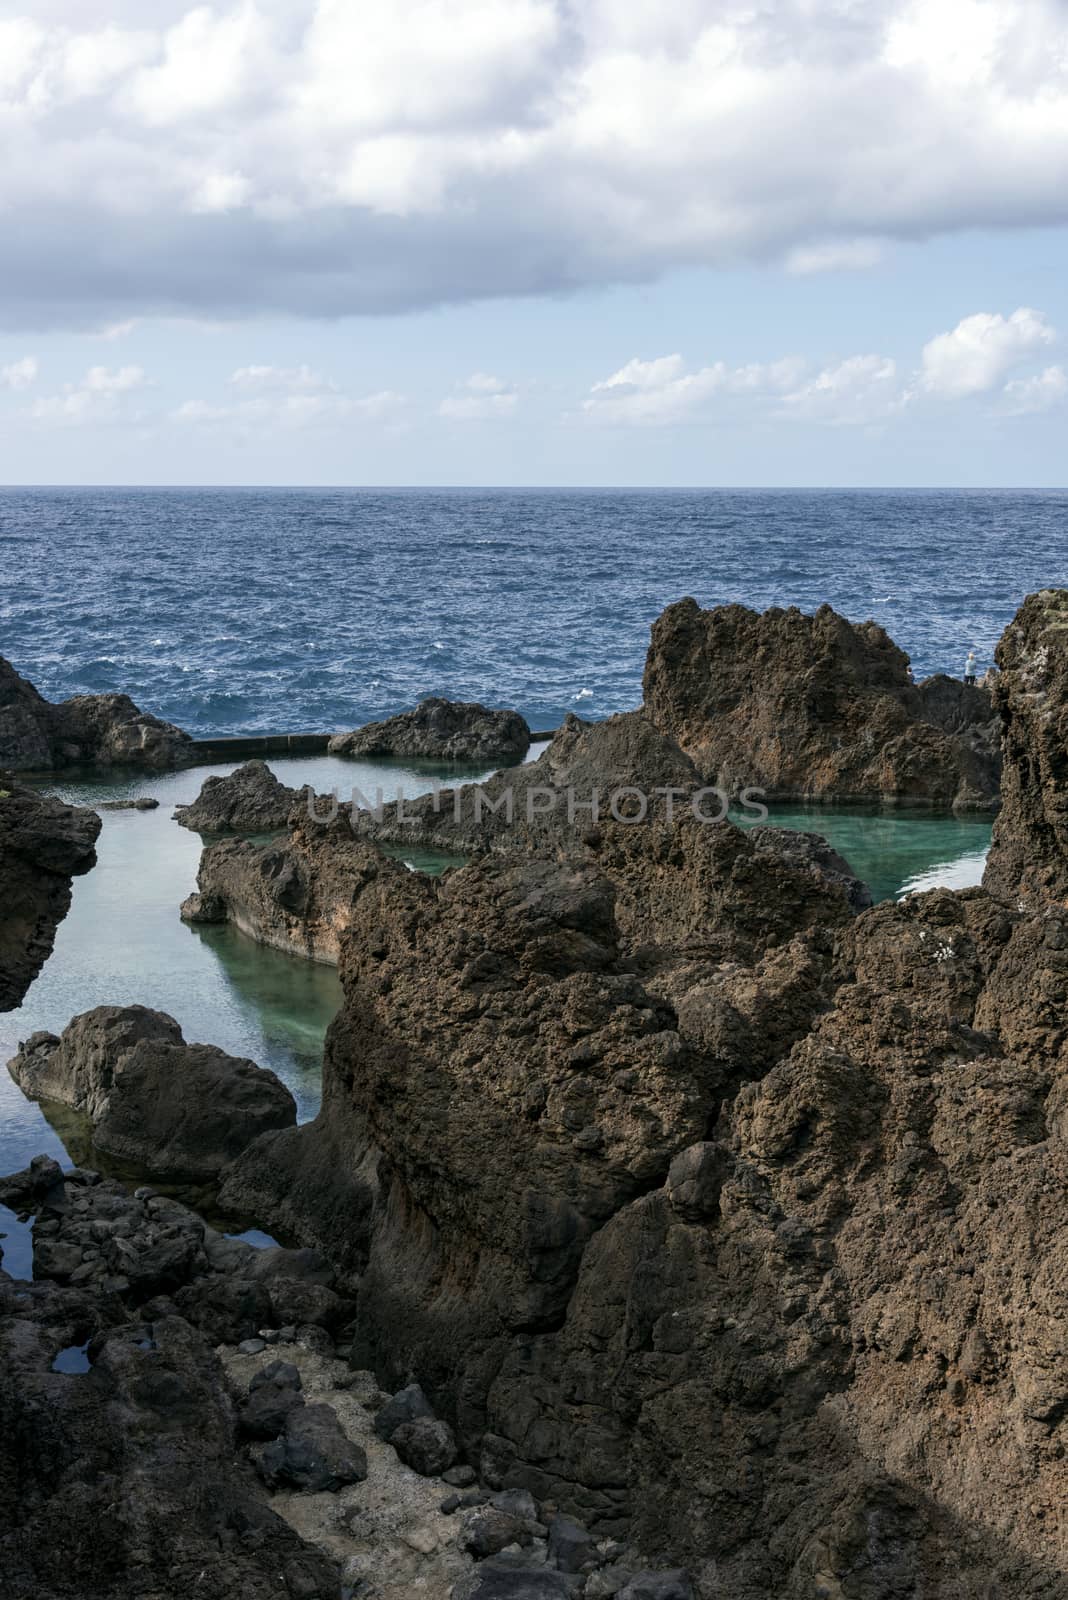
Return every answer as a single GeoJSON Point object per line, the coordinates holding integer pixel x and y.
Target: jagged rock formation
{"type": "Point", "coordinates": [588, 768]}
{"type": "Point", "coordinates": [248, 800]}
{"type": "Point", "coordinates": [1029, 855]}
{"type": "Point", "coordinates": [441, 730]}
{"type": "Point", "coordinates": [43, 845]}
{"type": "Point", "coordinates": [90, 730]}
{"type": "Point", "coordinates": [730, 1228]}
{"type": "Point", "coordinates": [816, 708]}
{"type": "Point", "coordinates": [178, 1111]}
{"type": "Point", "coordinates": [296, 894]}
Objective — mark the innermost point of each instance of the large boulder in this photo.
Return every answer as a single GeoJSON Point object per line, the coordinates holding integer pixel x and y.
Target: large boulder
{"type": "Point", "coordinates": [1029, 855]}
{"type": "Point", "coordinates": [248, 800]}
{"type": "Point", "coordinates": [441, 730]}
{"type": "Point", "coordinates": [43, 845]}
{"type": "Point", "coordinates": [296, 893]}
{"type": "Point", "coordinates": [175, 1110]}
{"type": "Point", "coordinates": [816, 708]}
{"type": "Point", "coordinates": [89, 730]}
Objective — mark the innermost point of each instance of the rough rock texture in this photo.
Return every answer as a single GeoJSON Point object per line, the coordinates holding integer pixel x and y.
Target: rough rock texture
{"type": "Point", "coordinates": [175, 1110]}
{"type": "Point", "coordinates": [121, 1483]}
{"type": "Point", "coordinates": [737, 1235]}
{"type": "Point", "coordinates": [441, 730]}
{"type": "Point", "coordinates": [816, 708]}
{"type": "Point", "coordinates": [248, 800]}
{"type": "Point", "coordinates": [1029, 855]}
{"type": "Point", "coordinates": [43, 845]}
{"type": "Point", "coordinates": [296, 893]}
{"type": "Point", "coordinates": [558, 798]}
{"type": "Point", "coordinates": [90, 730]}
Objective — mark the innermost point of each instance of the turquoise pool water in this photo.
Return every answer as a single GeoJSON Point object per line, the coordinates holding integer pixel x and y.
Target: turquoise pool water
{"type": "Point", "coordinates": [124, 943]}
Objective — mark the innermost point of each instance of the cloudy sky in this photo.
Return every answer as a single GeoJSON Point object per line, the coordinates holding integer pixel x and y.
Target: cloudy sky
{"type": "Point", "coordinates": [534, 241]}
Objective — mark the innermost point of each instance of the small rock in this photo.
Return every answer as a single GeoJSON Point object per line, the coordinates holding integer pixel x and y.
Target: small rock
{"type": "Point", "coordinates": [487, 1531]}
{"type": "Point", "coordinates": [460, 1477]}
{"type": "Point", "coordinates": [571, 1546]}
{"type": "Point", "coordinates": [251, 1347]}
{"type": "Point", "coordinates": [427, 1445]}
{"type": "Point", "coordinates": [405, 1406]}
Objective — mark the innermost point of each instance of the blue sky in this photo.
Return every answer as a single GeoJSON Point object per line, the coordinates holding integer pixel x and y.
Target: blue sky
{"type": "Point", "coordinates": [535, 242]}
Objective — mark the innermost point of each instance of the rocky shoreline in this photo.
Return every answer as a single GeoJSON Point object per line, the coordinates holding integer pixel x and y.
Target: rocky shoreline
{"type": "Point", "coordinates": [676, 1225]}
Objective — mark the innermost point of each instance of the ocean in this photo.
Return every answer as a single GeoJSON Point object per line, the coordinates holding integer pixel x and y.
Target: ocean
{"type": "Point", "coordinates": [241, 611]}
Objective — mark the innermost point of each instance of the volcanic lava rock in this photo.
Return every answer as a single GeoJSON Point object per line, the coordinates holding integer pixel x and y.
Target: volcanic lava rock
{"type": "Point", "coordinates": [43, 845]}
{"type": "Point", "coordinates": [179, 1111]}
{"type": "Point", "coordinates": [816, 708]}
{"type": "Point", "coordinates": [441, 730]}
{"type": "Point", "coordinates": [1029, 855]}
{"type": "Point", "coordinates": [123, 1481]}
{"type": "Point", "coordinates": [248, 800]}
{"type": "Point", "coordinates": [741, 1239]}
{"type": "Point", "coordinates": [588, 774]}
{"type": "Point", "coordinates": [91, 730]}
{"type": "Point", "coordinates": [296, 893]}
{"type": "Point", "coordinates": [313, 1453]}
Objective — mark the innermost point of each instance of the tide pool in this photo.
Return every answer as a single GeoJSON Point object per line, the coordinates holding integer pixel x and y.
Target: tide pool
{"type": "Point", "coordinates": [123, 942]}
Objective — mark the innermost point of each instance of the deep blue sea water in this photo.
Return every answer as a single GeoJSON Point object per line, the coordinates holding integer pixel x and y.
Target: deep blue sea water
{"type": "Point", "coordinates": [232, 611]}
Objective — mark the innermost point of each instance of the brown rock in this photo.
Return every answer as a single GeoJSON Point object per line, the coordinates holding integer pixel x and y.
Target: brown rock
{"type": "Point", "coordinates": [815, 708]}
{"type": "Point", "coordinates": [91, 730]}
{"type": "Point", "coordinates": [1029, 854]}
{"type": "Point", "coordinates": [248, 800]}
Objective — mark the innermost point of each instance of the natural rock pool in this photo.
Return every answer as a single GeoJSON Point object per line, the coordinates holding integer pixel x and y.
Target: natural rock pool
{"type": "Point", "coordinates": [123, 942]}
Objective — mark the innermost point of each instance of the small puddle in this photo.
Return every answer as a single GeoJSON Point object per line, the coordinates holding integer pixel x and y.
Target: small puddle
{"type": "Point", "coordinates": [16, 1245]}
{"type": "Point", "coordinates": [74, 1359]}
{"type": "Point", "coordinates": [256, 1238]}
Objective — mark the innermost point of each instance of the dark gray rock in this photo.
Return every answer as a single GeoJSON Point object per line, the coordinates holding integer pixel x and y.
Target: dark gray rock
{"type": "Point", "coordinates": [43, 845]}
{"type": "Point", "coordinates": [673, 1585]}
{"type": "Point", "coordinates": [571, 1546]}
{"type": "Point", "coordinates": [493, 1580]}
{"type": "Point", "coordinates": [273, 1393]}
{"type": "Point", "coordinates": [251, 799]}
{"type": "Point", "coordinates": [407, 1405]}
{"type": "Point", "coordinates": [487, 1530]}
{"type": "Point", "coordinates": [314, 1453]}
{"type": "Point", "coordinates": [461, 1477]}
{"type": "Point", "coordinates": [441, 730]}
{"type": "Point", "coordinates": [426, 1444]}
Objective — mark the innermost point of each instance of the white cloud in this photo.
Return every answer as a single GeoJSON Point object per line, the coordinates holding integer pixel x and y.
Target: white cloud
{"type": "Point", "coordinates": [661, 391]}
{"type": "Point", "coordinates": [19, 374]}
{"type": "Point", "coordinates": [325, 158]}
{"type": "Point", "coordinates": [294, 379]}
{"type": "Point", "coordinates": [290, 397]}
{"type": "Point", "coordinates": [99, 398]}
{"type": "Point", "coordinates": [480, 398]}
{"type": "Point", "coordinates": [856, 392]}
{"type": "Point", "coordinates": [1026, 396]}
{"type": "Point", "coordinates": [982, 350]}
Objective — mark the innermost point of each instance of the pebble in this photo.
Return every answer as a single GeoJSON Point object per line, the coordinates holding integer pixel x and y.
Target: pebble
{"type": "Point", "coordinates": [251, 1347]}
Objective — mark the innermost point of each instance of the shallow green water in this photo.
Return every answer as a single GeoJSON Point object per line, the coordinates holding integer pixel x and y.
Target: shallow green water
{"type": "Point", "coordinates": [896, 853]}
{"type": "Point", "coordinates": [124, 943]}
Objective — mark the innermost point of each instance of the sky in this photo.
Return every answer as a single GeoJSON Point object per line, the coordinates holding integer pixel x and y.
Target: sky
{"type": "Point", "coordinates": [545, 242]}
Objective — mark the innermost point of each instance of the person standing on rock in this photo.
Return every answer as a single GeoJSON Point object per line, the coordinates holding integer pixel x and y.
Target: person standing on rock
{"type": "Point", "coordinates": [970, 667]}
